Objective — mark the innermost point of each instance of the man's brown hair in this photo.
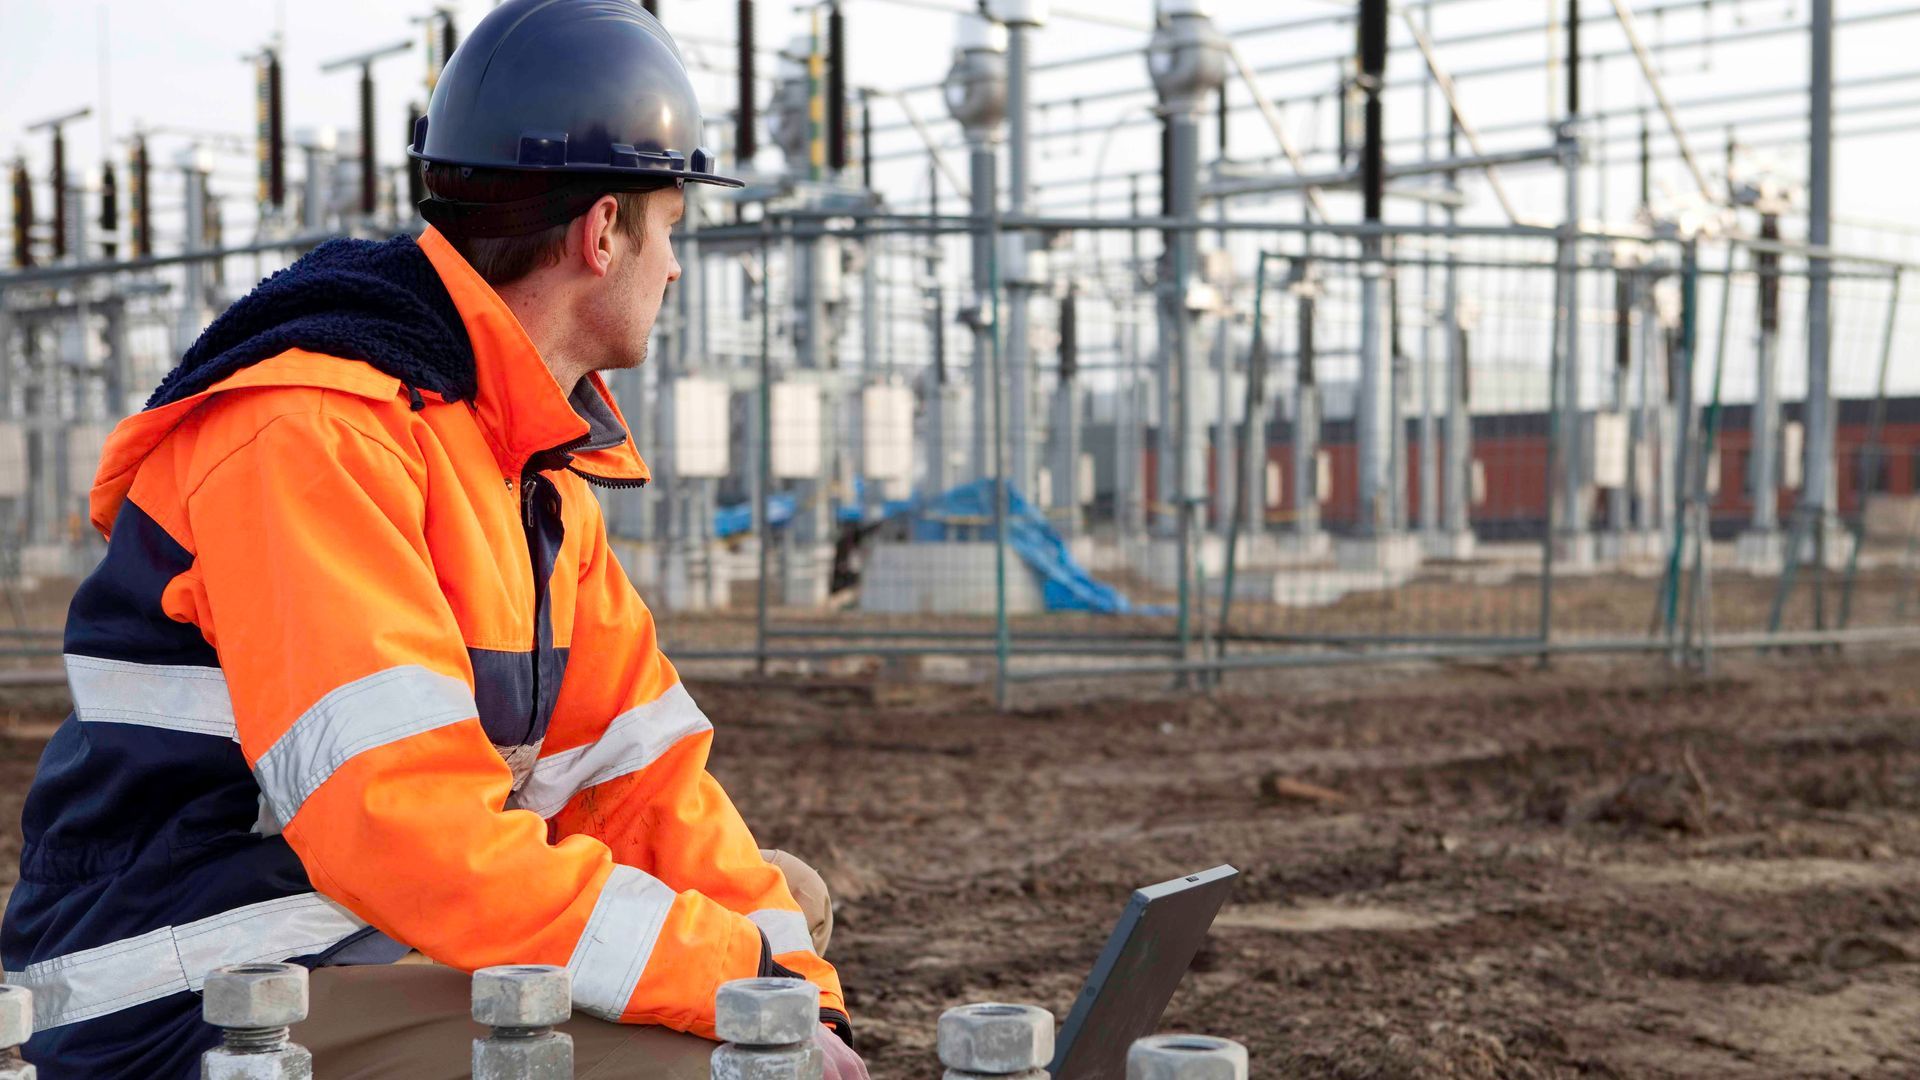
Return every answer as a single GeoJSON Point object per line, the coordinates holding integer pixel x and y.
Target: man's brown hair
{"type": "Point", "coordinates": [503, 260]}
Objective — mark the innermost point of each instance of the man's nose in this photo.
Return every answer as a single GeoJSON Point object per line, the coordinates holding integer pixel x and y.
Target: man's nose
{"type": "Point", "coordinates": [673, 268]}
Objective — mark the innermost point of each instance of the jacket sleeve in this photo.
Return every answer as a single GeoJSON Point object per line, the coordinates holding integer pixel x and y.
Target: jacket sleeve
{"type": "Point", "coordinates": [353, 699]}
{"type": "Point", "coordinates": [625, 762]}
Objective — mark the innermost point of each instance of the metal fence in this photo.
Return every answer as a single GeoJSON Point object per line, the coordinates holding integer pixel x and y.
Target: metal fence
{"type": "Point", "coordinates": [1585, 443]}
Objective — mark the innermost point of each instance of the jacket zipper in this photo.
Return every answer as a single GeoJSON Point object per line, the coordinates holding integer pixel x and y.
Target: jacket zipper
{"type": "Point", "coordinates": [529, 511]}
{"type": "Point", "coordinates": [530, 523]}
{"type": "Point", "coordinates": [607, 481]}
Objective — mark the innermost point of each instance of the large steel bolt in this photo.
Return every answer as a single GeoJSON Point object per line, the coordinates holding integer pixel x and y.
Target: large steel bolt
{"type": "Point", "coordinates": [768, 1025]}
{"type": "Point", "coordinates": [16, 1027]}
{"type": "Point", "coordinates": [996, 1040]}
{"type": "Point", "coordinates": [1186, 1057]}
{"type": "Point", "coordinates": [522, 1004]}
{"type": "Point", "coordinates": [254, 1005]}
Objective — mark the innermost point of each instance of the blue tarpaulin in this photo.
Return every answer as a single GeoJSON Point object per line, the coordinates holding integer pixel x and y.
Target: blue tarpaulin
{"type": "Point", "coordinates": [962, 513]}
{"type": "Point", "coordinates": [1065, 585]}
{"type": "Point", "coordinates": [730, 521]}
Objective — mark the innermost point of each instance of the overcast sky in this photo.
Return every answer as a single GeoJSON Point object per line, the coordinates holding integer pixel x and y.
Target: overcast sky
{"type": "Point", "coordinates": [177, 65]}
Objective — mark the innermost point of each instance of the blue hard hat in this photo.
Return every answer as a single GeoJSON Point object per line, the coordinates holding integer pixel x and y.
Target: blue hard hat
{"type": "Point", "coordinates": [587, 88]}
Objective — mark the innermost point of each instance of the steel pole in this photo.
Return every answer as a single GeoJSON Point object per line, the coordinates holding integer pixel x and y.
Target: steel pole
{"type": "Point", "coordinates": [1765, 427]}
{"type": "Point", "coordinates": [1374, 407]}
{"type": "Point", "coordinates": [1572, 459]}
{"type": "Point", "coordinates": [983, 180]}
{"type": "Point", "coordinates": [1183, 118]}
{"type": "Point", "coordinates": [1429, 426]}
{"type": "Point", "coordinates": [1306, 424]}
{"type": "Point", "coordinates": [1130, 489]}
{"type": "Point", "coordinates": [1458, 486]}
{"type": "Point", "coordinates": [1014, 272]}
{"type": "Point", "coordinates": [1650, 431]}
{"type": "Point", "coordinates": [1818, 478]}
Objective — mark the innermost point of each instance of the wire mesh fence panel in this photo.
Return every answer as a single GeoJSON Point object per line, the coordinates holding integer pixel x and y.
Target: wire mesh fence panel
{"type": "Point", "coordinates": [1428, 442]}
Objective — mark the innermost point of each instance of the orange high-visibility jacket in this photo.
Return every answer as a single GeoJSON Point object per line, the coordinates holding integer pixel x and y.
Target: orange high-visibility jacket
{"type": "Point", "coordinates": [398, 618]}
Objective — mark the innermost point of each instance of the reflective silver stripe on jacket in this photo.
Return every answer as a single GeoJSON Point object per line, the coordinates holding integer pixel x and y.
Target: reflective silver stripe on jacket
{"type": "Point", "coordinates": [613, 949]}
{"type": "Point", "coordinates": [105, 979]}
{"type": "Point", "coordinates": [372, 711]}
{"type": "Point", "coordinates": [636, 739]}
{"type": "Point", "coordinates": [177, 697]}
{"type": "Point", "coordinates": [786, 930]}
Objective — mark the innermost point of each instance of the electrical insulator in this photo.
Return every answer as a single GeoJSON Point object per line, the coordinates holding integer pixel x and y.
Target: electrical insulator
{"type": "Point", "coordinates": [836, 89]}
{"type": "Point", "coordinates": [1225, 118]}
{"type": "Point", "coordinates": [866, 142]}
{"type": "Point", "coordinates": [59, 194]}
{"type": "Point", "coordinates": [1622, 320]}
{"type": "Point", "coordinates": [137, 190]}
{"type": "Point", "coordinates": [1166, 167]}
{"type": "Point", "coordinates": [1306, 374]}
{"type": "Point", "coordinates": [271, 131]}
{"type": "Point", "coordinates": [22, 216]}
{"type": "Point", "coordinates": [746, 143]}
{"type": "Point", "coordinates": [109, 212]}
{"type": "Point", "coordinates": [1069, 335]}
{"type": "Point", "coordinates": [1466, 366]}
{"type": "Point", "coordinates": [369, 168]}
{"type": "Point", "coordinates": [1769, 265]}
{"type": "Point", "coordinates": [214, 236]}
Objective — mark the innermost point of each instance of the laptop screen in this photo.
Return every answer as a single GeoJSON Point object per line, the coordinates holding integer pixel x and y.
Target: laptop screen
{"type": "Point", "coordinates": [1159, 933]}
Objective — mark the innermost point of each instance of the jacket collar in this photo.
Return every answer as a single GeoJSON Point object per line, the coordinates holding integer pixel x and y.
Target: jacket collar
{"type": "Point", "coordinates": [521, 409]}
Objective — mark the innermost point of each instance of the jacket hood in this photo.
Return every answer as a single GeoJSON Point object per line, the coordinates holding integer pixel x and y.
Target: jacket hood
{"type": "Point", "coordinates": [378, 302]}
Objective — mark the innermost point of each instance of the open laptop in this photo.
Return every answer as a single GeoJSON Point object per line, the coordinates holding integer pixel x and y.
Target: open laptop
{"type": "Point", "coordinates": [1137, 973]}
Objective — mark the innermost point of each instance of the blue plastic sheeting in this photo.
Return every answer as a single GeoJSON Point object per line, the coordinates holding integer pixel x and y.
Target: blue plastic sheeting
{"type": "Point", "coordinates": [729, 521]}
{"type": "Point", "coordinates": [1065, 585]}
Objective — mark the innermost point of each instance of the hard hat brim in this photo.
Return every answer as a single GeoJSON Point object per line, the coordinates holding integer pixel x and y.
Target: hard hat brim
{"type": "Point", "coordinates": [641, 177]}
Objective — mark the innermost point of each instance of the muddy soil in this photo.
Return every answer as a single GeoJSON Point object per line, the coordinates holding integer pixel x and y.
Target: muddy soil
{"type": "Point", "coordinates": [1478, 871]}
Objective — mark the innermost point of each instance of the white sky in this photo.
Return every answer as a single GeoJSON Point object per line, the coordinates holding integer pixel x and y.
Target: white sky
{"type": "Point", "coordinates": [177, 64]}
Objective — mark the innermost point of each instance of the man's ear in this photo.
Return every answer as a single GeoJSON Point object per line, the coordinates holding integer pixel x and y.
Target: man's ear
{"type": "Point", "coordinates": [597, 227]}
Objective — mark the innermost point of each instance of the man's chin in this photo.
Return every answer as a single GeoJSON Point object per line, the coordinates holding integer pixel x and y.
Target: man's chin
{"type": "Point", "coordinates": [624, 362]}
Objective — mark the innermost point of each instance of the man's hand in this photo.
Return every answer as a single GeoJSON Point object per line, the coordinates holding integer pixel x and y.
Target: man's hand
{"type": "Point", "coordinates": [842, 1062]}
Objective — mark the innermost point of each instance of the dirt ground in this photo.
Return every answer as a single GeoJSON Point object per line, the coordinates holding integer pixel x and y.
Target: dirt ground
{"type": "Point", "coordinates": [1468, 871]}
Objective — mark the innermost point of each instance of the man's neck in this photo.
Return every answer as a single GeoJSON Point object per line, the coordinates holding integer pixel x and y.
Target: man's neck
{"type": "Point", "coordinates": [541, 315]}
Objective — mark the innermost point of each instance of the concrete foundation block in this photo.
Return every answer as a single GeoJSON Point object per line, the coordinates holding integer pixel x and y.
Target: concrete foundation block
{"type": "Point", "coordinates": [804, 576]}
{"type": "Point", "coordinates": [1839, 543]}
{"type": "Point", "coordinates": [1394, 554]}
{"type": "Point", "coordinates": [1313, 546]}
{"type": "Point", "coordinates": [695, 580]}
{"type": "Point", "coordinates": [1761, 552]}
{"type": "Point", "coordinates": [1575, 553]}
{"type": "Point", "coordinates": [1160, 559]}
{"type": "Point", "coordinates": [1632, 547]}
{"type": "Point", "coordinates": [944, 578]}
{"type": "Point", "coordinates": [1450, 546]}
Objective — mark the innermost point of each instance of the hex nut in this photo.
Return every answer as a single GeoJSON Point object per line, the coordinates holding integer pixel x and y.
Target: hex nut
{"type": "Point", "coordinates": [16, 1016]}
{"type": "Point", "coordinates": [255, 996]}
{"type": "Point", "coordinates": [797, 1061]}
{"type": "Point", "coordinates": [522, 995]}
{"type": "Point", "coordinates": [542, 1057]}
{"type": "Point", "coordinates": [996, 1039]}
{"type": "Point", "coordinates": [288, 1063]}
{"type": "Point", "coordinates": [1186, 1057]}
{"type": "Point", "coordinates": [767, 1012]}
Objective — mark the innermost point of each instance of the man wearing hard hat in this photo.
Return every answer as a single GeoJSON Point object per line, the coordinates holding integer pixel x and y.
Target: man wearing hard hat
{"type": "Point", "coordinates": [359, 681]}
